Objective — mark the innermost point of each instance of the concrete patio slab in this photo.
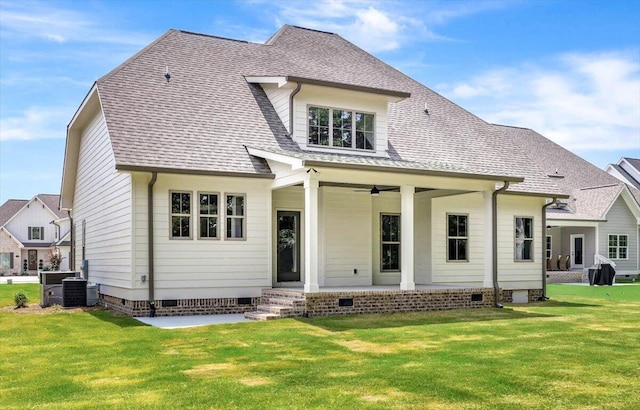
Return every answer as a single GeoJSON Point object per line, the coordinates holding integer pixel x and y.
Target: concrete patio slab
{"type": "Point", "coordinates": [179, 322]}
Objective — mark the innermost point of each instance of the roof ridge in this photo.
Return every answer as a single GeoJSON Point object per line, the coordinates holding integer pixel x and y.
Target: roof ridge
{"type": "Point", "coordinates": [600, 186]}
{"type": "Point", "coordinates": [512, 126]}
{"type": "Point", "coordinates": [313, 29]}
{"type": "Point", "coordinates": [212, 36]}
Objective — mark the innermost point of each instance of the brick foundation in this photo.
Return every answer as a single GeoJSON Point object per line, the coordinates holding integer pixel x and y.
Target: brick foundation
{"type": "Point", "coordinates": [183, 307]}
{"type": "Point", "coordinates": [328, 304]}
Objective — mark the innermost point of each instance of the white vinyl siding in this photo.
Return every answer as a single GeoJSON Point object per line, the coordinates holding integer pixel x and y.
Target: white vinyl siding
{"type": "Point", "coordinates": [34, 215]}
{"type": "Point", "coordinates": [471, 272]}
{"type": "Point", "coordinates": [202, 268]}
{"type": "Point", "coordinates": [103, 198]}
{"type": "Point", "coordinates": [346, 217]}
{"type": "Point", "coordinates": [279, 98]}
{"type": "Point", "coordinates": [620, 221]}
{"type": "Point", "coordinates": [514, 274]}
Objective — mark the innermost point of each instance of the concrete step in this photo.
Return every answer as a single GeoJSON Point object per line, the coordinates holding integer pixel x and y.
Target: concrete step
{"type": "Point", "coordinates": [280, 301]}
{"type": "Point", "coordinates": [275, 309]}
{"type": "Point", "coordinates": [260, 316]}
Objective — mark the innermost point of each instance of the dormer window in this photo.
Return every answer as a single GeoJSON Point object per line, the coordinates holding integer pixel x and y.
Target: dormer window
{"type": "Point", "coordinates": [341, 128]}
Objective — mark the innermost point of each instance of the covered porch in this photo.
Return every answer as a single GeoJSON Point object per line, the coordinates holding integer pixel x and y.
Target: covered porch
{"type": "Point", "coordinates": [379, 236]}
{"type": "Point", "coordinates": [570, 249]}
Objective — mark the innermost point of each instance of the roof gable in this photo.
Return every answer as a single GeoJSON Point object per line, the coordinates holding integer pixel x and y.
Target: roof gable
{"type": "Point", "coordinates": [199, 118]}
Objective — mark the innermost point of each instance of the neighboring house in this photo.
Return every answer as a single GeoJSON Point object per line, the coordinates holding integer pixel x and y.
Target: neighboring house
{"type": "Point", "coordinates": [205, 175]}
{"type": "Point", "coordinates": [30, 231]}
{"type": "Point", "coordinates": [626, 170]}
{"type": "Point", "coordinates": [602, 216]}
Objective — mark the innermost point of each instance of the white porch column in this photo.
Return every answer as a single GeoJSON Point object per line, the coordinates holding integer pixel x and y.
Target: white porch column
{"type": "Point", "coordinates": [407, 278]}
{"type": "Point", "coordinates": [487, 280]}
{"type": "Point", "coordinates": [311, 235]}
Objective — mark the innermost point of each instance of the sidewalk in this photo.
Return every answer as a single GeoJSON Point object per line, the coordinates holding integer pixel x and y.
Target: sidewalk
{"type": "Point", "coordinates": [19, 279]}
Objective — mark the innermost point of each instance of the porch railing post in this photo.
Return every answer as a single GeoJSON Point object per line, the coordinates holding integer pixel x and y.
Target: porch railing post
{"type": "Point", "coordinates": [407, 277]}
{"type": "Point", "coordinates": [311, 235]}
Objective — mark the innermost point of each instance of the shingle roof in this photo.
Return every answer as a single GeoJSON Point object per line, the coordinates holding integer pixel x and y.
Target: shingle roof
{"type": "Point", "coordinates": [592, 189]}
{"type": "Point", "coordinates": [203, 117]}
{"type": "Point", "coordinates": [53, 201]}
{"type": "Point", "coordinates": [10, 208]}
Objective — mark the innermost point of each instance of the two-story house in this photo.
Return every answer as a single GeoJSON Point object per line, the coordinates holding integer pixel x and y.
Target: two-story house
{"type": "Point", "coordinates": [30, 232]}
{"type": "Point", "coordinates": [210, 175]}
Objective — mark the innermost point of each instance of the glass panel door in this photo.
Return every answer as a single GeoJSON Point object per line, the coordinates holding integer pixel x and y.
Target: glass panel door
{"type": "Point", "coordinates": [288, 242]}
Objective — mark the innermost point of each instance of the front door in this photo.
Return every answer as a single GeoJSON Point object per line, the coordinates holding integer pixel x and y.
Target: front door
{"type": "Point", "coordinates": [288, 255]}
{"type": "Point", "coordinates": [32, 256]}
{"type": "Point", "coordinates": [577, 251]}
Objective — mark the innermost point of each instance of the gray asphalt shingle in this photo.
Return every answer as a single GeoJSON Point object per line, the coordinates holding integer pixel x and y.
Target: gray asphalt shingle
{"type": "Point", "coordinates": [202, 118]}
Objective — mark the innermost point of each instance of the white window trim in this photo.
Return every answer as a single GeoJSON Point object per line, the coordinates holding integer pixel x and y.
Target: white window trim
{"type": "Point", "coordinates": [353, 122]}
{"type": "Point", "coordinates": [243, 217]}
{"type": "Point", "coordinates": [398, 242]}
{"type": "Point", "coordinates": [618, 246]}
{"type": "Point", "coordinates": [200, 215]}
{"type": "Point", "coordinates": [532, 239]}
{"type": "Point", "coordinates": [457, 237]}
{"type": "Point", "coordinates": [171, 215]}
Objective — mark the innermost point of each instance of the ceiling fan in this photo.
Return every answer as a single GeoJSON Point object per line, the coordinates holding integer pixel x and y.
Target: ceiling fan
{"type": "Point", "coordinates": [375, 191]}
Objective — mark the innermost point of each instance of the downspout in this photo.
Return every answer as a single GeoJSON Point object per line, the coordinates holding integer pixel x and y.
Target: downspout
{"type": "Point", "coordinates": [152, 300]}
{"type": "Point", "coordinates": [494, 231]}
{"type": "Point", "coordinates": [544, 247]}
{"type": "Point", "coordinates": [293, 94]}
{"type": "Point", "coordinates": [72, 262]}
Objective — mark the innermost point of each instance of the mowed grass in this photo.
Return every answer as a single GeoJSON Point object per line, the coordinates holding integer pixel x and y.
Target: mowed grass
{"type": "Point", "coordinates": [580, 350]}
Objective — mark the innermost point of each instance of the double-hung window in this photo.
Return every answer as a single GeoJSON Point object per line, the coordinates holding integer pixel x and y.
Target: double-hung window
{"type": "Point", "coordinates": [341, 128]}
{"type": "Point", "coordinates": [6, 260]}
{"type": "Point", "coordinates": [180, 215]}
{"type": "Point", "coordinates": [235, 216]}
{"type": "Point", "coordinates": [523, 238]}
{"type": "Point", "coordinates": [390, 242]}
{"type": "Point", "coordinates": [208, 205]}
{"type": "Point", "coordinates": [618, 246]}
{"type": "Point", "coordinates": [36, 232]}
{"type": "Point", "coordinates": [457, 237]}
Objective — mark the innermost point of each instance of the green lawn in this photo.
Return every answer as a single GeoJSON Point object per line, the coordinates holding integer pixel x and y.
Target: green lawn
{"type": "Point", "coordinates": [579, 350]}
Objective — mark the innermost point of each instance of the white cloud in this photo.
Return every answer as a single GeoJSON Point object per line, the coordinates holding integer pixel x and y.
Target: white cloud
{"type": "Point", "coordinates": [36, 123]}
{"type": "Point", "coordinates": [27, 20]}
{"type": "Point", "coordinates": [376, 25]}
{"type": "Point", "coordinates": [584, 102]}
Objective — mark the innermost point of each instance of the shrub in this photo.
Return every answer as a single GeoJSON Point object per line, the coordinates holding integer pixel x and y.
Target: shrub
{"type": "Point", "coordinates": [20, 300]}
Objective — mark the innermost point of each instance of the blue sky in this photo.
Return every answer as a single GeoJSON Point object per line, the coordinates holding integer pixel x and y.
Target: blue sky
{"type": "Point", "coordinates": [568, 69]}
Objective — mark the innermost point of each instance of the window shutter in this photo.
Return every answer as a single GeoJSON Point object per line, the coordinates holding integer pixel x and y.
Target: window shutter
{"type": "Point", "coordinates": [29, 233]}
{"type": "Point", "coordinates": [11, 260]}
{"type": "Point", "coordinates": [42, 232]}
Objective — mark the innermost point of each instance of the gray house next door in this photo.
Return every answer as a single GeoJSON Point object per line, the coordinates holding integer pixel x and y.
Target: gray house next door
{"type": "Point", "coordinates": [288, 255]}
